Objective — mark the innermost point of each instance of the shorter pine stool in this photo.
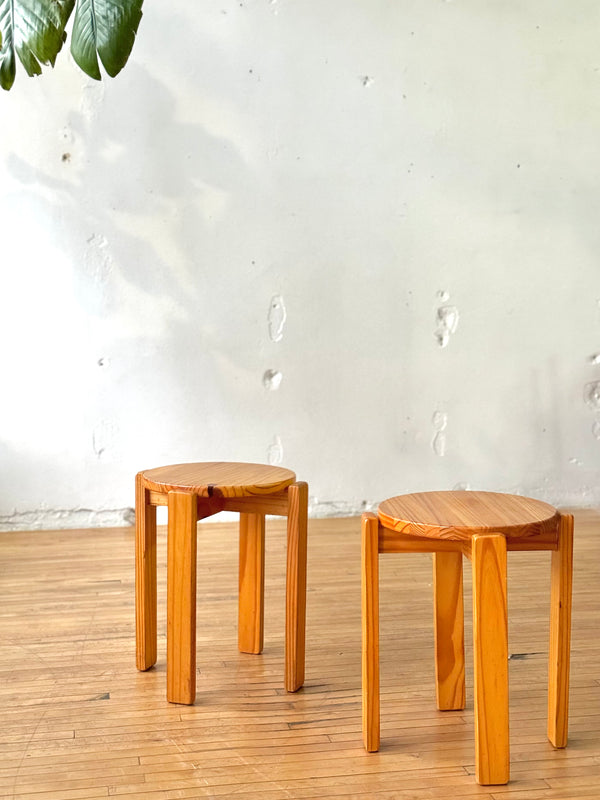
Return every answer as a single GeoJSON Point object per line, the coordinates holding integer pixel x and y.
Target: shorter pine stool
{"type": "Point", "coordinates": [193, 492]}
{"type": "Point", "coordinates": [482, 526]}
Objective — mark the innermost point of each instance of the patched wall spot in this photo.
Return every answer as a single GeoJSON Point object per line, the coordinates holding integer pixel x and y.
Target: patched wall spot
{"type": "Point", "coordinates": [276, 318]}
{"type": "Point", "coordinates": [275, 452]}
{"type": "Point", "coordinates": [272, 379]}
{"type": "Point", "coordinates": [447, 318]}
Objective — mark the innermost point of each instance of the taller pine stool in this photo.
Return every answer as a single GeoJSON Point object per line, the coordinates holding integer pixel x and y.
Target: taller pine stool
{"type": "Point", "coordinates": [193, 492]}
{"type": "Point", "coordinates": [481, 526]}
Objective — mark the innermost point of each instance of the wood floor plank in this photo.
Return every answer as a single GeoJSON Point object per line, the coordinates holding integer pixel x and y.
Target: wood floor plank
{"type": "Point", "coordinates": [80, 723]}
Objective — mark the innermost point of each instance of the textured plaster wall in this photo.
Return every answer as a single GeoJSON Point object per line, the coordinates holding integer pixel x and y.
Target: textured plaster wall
{"type": "Point", "coordinates": [356, 237]}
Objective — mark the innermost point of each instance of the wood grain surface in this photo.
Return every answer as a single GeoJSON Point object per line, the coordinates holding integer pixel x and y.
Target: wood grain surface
{"type": "Point", "coordinates": [458, 515]}
{"type": "Point", "coordinates": [560, 635]}
{"type": "Point", "coordinates": [218, 479]}
{"type": "Point", "coordinates": [145, 572]}
{"type": "Point", "coordinates": [295, 586]}
{"type": "Point", "coordinates": [370, 633]}
{"type": "Point", "coordinates": [181, 598]}
{"type": "Point", "coordinates": [251, 612]}
{"type": "Point", "coordinates": [448, 627]}
{"type": "Point", "coordinates": [79, 722]}
{"type": "Point", "coordinates": [481, 526]}
{"type": "Point", "coordinates": [490, 661]}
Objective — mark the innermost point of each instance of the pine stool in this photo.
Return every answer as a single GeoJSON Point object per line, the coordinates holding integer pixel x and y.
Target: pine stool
{"type": "Point", "coordinates": [482, 526]}
{"type": "Point", "coordinates": [193, 492]}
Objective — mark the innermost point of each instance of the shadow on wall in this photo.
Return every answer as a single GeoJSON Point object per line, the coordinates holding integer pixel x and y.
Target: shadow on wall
{"type": "Point", "coordinates": [134, 201]}
{"type": "Point", "coordinates": [132, 196]}
{"type": "Point", "coordinates": [127, 205]}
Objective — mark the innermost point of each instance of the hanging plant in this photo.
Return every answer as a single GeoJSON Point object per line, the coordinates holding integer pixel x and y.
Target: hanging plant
{"type": "Point", "coordinates": [34, 30]}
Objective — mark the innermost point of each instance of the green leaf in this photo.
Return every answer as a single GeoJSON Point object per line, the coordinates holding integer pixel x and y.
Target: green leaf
{"type": "Point", "coordinates": [104, 28]}
{"type": "Point", "coordinates": [7, 54]}
{"type": "Point", "coordinates": [35, 31]}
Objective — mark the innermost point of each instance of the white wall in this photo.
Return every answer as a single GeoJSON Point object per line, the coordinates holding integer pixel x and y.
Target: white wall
{"type": "Point", "coordinates": [307, 187]}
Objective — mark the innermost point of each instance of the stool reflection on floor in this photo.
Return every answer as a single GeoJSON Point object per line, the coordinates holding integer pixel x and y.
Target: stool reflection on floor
{"type": "Point", "coordinates": [481, 526]}
{"type": "Point", "coordinates": [193, 492]}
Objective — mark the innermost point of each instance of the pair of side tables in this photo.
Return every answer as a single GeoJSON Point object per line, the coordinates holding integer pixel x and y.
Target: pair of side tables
{"type": "Point", "coordinates": [482, 526]}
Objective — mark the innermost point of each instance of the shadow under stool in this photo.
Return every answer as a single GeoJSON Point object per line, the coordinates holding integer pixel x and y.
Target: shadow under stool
{"type": "Point", "coordinates": [481, 526]}
{"type": "Point", "coordinates": [193, 492]}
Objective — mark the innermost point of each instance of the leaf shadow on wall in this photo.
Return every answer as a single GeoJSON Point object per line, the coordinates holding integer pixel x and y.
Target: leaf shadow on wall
{"type": "Point", "coordinates": [135, 173]}
{"type": "Point", "coordinates": [124, 209]}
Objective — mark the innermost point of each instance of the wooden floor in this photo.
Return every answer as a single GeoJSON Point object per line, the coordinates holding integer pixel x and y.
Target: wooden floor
{"type": "Point", "coordinates": [78, 720]}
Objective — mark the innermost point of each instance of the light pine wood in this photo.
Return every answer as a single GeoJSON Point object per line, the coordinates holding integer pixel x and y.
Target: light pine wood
{"type": "Point", "coordinates": [251, 583]}
{"type": "Point", "coordinates": [449, 631]}
{"type": "Point", "coordinates": [370, 632]}
{"type": "Point", "coordinates": [490, 663]}
{"type": "Point", "coordinates": [392, 542]}
{"type": "Point", "coordinates": [276, 504]}
{"type": "Point", "coordinates": [218, 479]}
{"type": "Point", "coordinates": [145, 586]}
{"type": "Point", "coordinates": [457, 516]}
{"type": "Point", "coordinates": [254, 490]}
{"type": "Point", "coordinates": [481, 526]}
{"type": "Point", "coordinates": [181, 598]}
{"type": "Point", "coordinates": [79, 723]}
{"type": "Point", "coordinates": [295, 615]}
{"type": "Point", "coordinates": [560, 634]}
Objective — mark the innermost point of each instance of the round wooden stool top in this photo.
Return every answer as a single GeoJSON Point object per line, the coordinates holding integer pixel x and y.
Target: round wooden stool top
{"type": "Point", "coordinates": [457, 516]}
{"type": "Point", "coordinates": [218, 479]}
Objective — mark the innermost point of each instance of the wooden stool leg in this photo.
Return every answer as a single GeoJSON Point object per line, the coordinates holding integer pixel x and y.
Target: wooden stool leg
{"type": "Point", "coordinates": [490, 640]}
{"type": "Point", "coordinates": [295, 604]}
{"type": "Point", "coordinates": [181, 598]}
{"type": "Point", "coordinates": [449, 631]}
{"type": "Point", "coordinates": [251, 583]}
{"type": "Point", "coordinates": [145, 578]}
{"type": "Point", "coordinates": [370, 632]}
{"type": "Point", "coordinates": [560, 634]}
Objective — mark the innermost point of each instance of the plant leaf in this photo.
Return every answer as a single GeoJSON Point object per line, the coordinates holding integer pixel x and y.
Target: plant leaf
{"type": "Point", "coordinates": [104, 28]}
{"type": "Point", "coordinates": [35, 31]}
{"type": "Point", "coordinates": [7, 54]}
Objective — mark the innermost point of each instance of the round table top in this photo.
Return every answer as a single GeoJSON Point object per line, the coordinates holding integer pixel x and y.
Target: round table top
{"type": "Point", "coordinates": [461, 514]}
{"type": "Point", "coordinates": [218, 479]}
